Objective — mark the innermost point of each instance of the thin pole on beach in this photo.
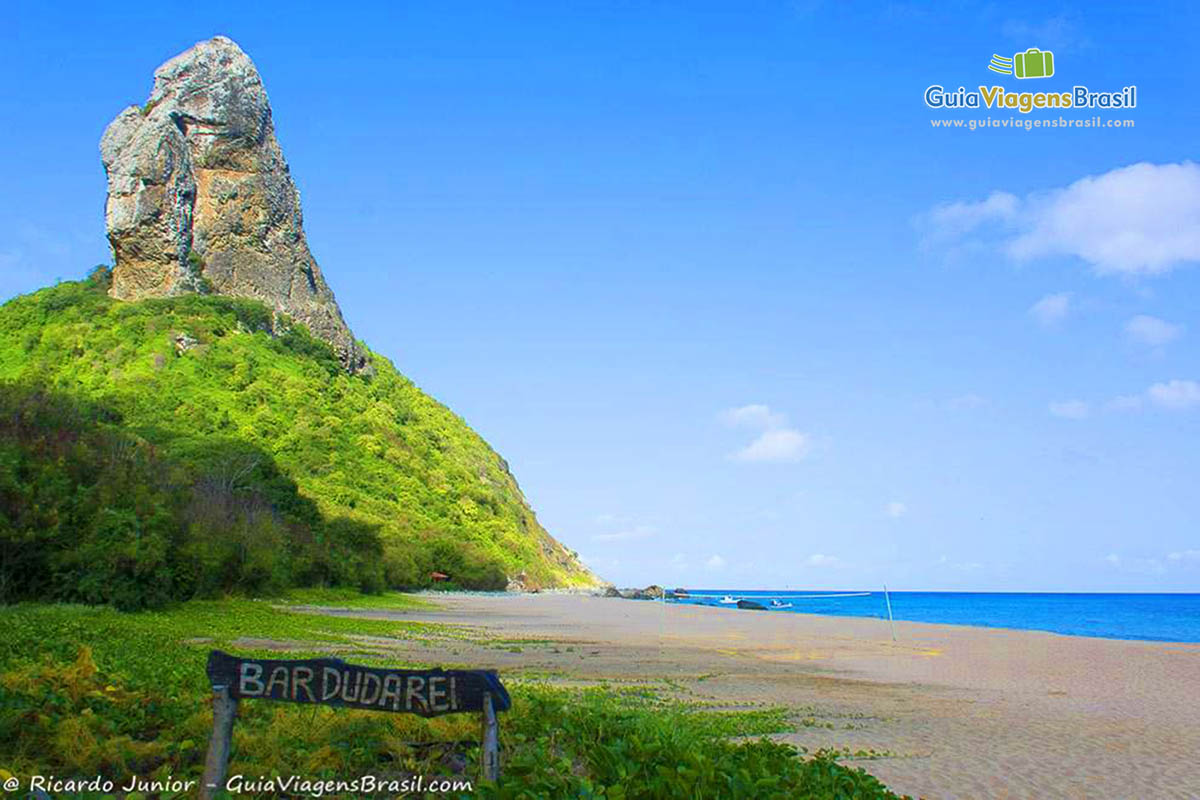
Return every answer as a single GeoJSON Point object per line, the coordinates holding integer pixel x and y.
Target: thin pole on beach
{"type": "Point", "coordinates": [887, 599]}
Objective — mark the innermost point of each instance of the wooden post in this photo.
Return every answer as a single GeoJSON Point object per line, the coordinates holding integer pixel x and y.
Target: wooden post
{"type": "Point", "coordinates": [891, 621]}
{"type": "Point", "coordinates": [489, 755]}
{"type": "Point", "coordinates": [216, 765]}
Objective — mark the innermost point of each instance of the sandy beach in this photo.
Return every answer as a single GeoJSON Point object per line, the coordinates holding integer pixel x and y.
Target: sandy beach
{"type": "Point", "coordinates": [943, 712]}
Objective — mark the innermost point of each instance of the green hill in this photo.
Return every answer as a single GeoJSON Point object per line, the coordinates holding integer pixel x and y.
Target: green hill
{"type": "Point", "coordinates": [189, 446]}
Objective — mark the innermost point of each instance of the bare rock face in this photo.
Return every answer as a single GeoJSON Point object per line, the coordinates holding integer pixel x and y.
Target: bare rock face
{"type": "Point", "coordinates": [200, 198]}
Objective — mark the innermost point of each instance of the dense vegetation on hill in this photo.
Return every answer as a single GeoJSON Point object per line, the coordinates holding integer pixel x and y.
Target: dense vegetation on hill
{"type": "Point", "coordinates": [193, 446]}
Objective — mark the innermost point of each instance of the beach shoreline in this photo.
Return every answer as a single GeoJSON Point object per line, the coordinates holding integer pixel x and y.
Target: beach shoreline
{"type": "Point", "coordinates": [944, 711]}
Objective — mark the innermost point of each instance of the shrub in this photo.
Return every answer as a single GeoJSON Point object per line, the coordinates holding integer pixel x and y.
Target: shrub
{"type": "Point", "coordinates": [90, 512]}
{"type": "Point", "coordinates": [100, 277]}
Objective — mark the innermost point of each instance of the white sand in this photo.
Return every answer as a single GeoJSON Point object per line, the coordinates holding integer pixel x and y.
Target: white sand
{"type": "Point", "coordinates": [960, 712]}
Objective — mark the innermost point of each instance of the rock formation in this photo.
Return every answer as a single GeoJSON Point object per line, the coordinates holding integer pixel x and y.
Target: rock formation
{"type": "Point", "coordinates": [200, 198]}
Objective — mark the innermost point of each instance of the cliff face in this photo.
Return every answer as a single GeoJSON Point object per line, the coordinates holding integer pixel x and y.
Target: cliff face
{"type": "Point", "coordinates": [200, 198]}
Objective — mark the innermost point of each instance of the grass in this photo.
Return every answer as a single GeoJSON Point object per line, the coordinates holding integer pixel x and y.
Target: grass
{"type": "Point", "coordinates": [87, 690]}
{"type": "Point", "coordinates": [337, 597]}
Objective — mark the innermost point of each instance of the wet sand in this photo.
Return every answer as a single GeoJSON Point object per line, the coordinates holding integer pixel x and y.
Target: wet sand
{"type": "Point", "coordinates": [943, 712]}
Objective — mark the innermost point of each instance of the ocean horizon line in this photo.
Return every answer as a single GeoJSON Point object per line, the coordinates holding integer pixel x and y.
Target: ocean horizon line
{"type": "Point", "coordinates": [935, 591]}
{"type": "Point", "coordinates": [1148, 616]}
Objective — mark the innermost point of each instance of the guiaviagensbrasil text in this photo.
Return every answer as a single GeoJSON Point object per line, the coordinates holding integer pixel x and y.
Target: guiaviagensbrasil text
{"type": "Point", "coordinates": [997, 97]}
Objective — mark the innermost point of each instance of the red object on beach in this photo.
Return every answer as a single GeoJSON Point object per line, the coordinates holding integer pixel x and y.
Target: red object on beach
{"type": "Point", "coordinates": [439, 576]}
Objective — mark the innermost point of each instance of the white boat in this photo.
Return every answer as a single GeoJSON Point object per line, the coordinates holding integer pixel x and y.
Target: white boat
{"type": "Point", "coordinates": [728, 600]}
{"type": "Point", "coordinates": [780, 604]}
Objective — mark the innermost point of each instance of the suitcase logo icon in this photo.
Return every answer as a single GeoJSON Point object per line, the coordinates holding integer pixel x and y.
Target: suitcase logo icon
{"type": "Point", "coordinates": [1033, 63]}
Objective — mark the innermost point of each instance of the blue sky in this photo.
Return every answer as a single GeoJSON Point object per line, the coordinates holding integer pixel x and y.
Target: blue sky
{"type": "Point", "coordinates": [705, 274]}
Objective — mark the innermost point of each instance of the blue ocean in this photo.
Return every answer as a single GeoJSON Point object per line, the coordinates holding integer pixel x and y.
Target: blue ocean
{"type": "Point", "coordinates": [1154, 617]}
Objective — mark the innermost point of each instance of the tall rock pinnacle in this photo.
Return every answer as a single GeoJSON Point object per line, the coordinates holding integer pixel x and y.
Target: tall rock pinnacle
{"type": "Point", "coordinates": [200, 198]}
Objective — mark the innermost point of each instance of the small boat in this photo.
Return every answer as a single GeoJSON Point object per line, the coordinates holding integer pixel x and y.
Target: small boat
{"type": "Point", "coordinates": [780, 604]}
{"type": "Point", "coordinates": [750, 604]}
{"type": "Point", "coordinates": [728, 600]}
{"type": "Point", "coordinates": [682, 594]}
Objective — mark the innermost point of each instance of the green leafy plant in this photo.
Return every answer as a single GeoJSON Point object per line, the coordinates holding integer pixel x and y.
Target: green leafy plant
{"type": "Point", "coordinates": [90, 690]}
{"type": "Point", "coordinates": [352, 480]}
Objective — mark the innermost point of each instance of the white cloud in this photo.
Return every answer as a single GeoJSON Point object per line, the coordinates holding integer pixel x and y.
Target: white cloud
{"type": "Point", "coordinates": [1142, 219]}
{"type": "Point", "coordinates": [600, 563]}
{"type": "Point", "coordinates": [1152, 331]}
{"type": "Point", "coordinates": [968, 401]}
{"type": "Point", "coordinates": [961, 566]}
{"type": "Point", "coordinates": [1051, 309]}
{"type": "Point", "coordinates": [1058, 34]}
{"type": "Point", "coordinates": [1070, 409]}
{"type": "Point", "coordinates": [754, 415]}
{"type": "Point", "coordinates": [1175, 395]}
{"type": "Point", "coordinates": [626, 534]}
{"type": "Point", "coordinates": [1141, 566]}
{"type": "Point", "coordinates": [822, 560]}
{"type": "Point", "coordinates": [716, 562]}
{"type": "Point", "coordinates": [777, 441]}
{"type": "Point", "coordinates": [1185, 556]}
{"type": "Point", "coordinates": [954, 220]}
{"type": "Point", "coordinates": [896, 509]}
{"type": "Point", "coordinates": [784, 444]}
{"type": "Point", "coordinates": [1126, 402]}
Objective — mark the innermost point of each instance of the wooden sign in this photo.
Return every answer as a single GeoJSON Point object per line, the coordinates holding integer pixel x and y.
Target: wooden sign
{"type": "Point", "coordinates": [333, 682]}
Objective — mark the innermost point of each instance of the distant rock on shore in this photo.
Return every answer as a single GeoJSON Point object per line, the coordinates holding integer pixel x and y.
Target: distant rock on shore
{"type": "Point", "coordinates": [652, 592]}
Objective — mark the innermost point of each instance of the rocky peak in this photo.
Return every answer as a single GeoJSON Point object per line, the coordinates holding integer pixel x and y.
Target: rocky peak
{"type": "Point", "coordinates": [200, 198]}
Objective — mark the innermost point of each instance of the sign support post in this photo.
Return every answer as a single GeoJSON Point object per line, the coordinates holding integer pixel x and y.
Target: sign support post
{"type": "Point", "coordinates": [489, 753]}
{"type": "Point", "coordinates": [217, 763]}
{"type": "Point", "coordinates": [891, 621]}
